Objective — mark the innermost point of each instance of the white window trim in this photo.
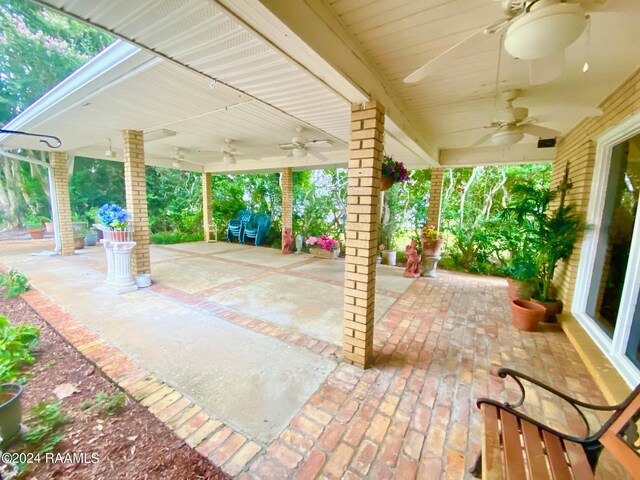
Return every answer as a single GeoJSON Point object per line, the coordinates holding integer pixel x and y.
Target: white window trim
{"type": "Point", "coordinates": [613, 349]}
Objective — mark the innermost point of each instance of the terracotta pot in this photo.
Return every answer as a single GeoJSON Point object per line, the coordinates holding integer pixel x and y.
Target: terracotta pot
{"type": "Point", "coordinates": [526, 314]}
{"type": "Point", "coordinates": [431, 246]}
{"type": "Point", "coordinates": [552, 308]}
{"type": "Point", "coordinates": [36, 233]}
{"type": "Point", "coordinates": [386, 183]}
{"type": "Point", "coordinates": [119, 236]}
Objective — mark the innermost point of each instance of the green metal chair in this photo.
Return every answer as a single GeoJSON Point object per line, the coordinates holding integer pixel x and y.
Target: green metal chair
{"type": "Point", "coordinates": [236, 226]}
{"type": "Point", "coordinates": [257, 229]}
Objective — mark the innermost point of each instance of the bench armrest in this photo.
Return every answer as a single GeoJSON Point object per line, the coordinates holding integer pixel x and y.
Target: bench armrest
{"type": "Point", "coordinates": [577, 405]}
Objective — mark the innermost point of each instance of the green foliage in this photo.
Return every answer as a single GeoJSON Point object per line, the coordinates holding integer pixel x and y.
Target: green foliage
{"type": "Point", "coordinates": [167, 238]}
{"type": "Point", "coordinates": [104, 403]}
{"type": "Point", "coordinates": [45, 424]}
{"type": "Point", "coordinates": [548, 233]}
{"type": "Point", "coordinates": [16, 343]}
{"type": "Point", "coordinates": [93, 184]}
{"type": "Point", "coordinates": [175, 200]}
{"type": "Point", "coordinates": [15, 282]}
{"type": "Point", "coordinates": [38, 48]}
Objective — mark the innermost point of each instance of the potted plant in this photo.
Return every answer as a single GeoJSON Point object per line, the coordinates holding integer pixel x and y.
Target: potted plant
{"type": "Point", "coordinates": [527, 315]}
{"type": "Point", "coordinates": [551, 234]}
{"type": "Point", "coordinates": [115, 218]}
{"type": "Point", "coordinates": [381, 249]}
{"type": "Point", "coordinates": [321, 247]}
{"type": "Point", "coordinates": [34, 226]}
{"type": "Point", "coordinates": [391, 173]}
{"type": "Point", "coordinates": [520, 273]}
{"type": "Point", "coordinates": [48, 225]}
{"type": "Point", "coordinates": [90, 237]}
{"type": "Point", "coordinates": [16, 343]}
{"type": "Point", "coordinates": [431, 240]}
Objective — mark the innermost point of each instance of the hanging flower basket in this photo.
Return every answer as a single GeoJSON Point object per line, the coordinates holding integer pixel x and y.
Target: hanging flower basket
{"type": "Point", "coordinates": [386, 183]}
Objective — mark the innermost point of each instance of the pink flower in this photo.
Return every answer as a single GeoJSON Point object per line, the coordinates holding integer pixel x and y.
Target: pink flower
{"type": "Point", "coordinates": [311, 241]}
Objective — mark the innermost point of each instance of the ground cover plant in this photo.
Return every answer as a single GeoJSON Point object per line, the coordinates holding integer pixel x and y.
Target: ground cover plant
{"type": "Point", "coordinates": [14, 283]}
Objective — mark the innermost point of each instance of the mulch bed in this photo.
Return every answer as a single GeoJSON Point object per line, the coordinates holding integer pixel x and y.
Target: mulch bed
{"type": "Point", "coordinates": [132, 444]}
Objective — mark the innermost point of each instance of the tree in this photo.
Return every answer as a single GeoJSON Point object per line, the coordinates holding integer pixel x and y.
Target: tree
{"type": "Point", "coordinates": [39, 48]}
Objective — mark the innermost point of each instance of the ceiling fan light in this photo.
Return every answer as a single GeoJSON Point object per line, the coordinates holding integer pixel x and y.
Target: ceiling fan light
{"type": "Point", "coordinates": [544, 31]}
{"type": "Point", "coordinates": [504, 138]}
{"type": "Point", "coordinates": [299, 152]}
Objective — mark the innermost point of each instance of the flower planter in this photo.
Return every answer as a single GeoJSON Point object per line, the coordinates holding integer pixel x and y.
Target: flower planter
{"type": "Point", "coordinates": [36, 233]}
{"type": "Point", "coordinates": [386, 183]}
{"type": "Point", "coordinates": [552, 308]}
{"type": "Point", "coordinates": [10, 412]}
{"type": "Point", "coordinates": [119, 236]}
{"type": "Point", "coordinates": [90, 239]}
{"type": "Point", "coordinates": [320, 252]}
{"type": "Point", "coordinates": [431, 246]}
{"type": "Point", "coordinates": [527, 315]}
{"type": "Point", "coordinates": [389, 257]}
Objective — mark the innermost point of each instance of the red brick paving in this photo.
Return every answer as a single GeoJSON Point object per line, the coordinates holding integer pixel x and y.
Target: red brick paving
{"type": "Point", "coordinates": [412, 415]}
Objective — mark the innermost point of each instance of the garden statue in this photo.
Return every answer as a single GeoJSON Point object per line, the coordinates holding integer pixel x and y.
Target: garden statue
{"type": "Point", "coordinates": [299, 244]}
{"type": "Point", "coordinates": [413, 260]}
{"type": "Point", "coordinates": [287, 240]}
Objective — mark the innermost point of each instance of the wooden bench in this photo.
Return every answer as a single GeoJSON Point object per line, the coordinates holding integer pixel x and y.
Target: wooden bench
{"type": "Point", "coordinates": [515, 446]}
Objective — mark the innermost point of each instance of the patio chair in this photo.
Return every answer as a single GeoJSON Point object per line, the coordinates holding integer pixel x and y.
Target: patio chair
{"type": "Point", "coordinates": [257, 229]}
{"type": "Point", "coordinates": [235, 227]}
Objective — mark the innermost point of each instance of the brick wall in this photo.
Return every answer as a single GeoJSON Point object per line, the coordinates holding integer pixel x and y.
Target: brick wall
{"type": "Point", "coordinates": [207, 205]}
{"type": "Point", "coordinates": [61, 179]}
{"type": "Point", "coordinates": [136, 192]}
{"type": "Point", "coordinates": [435, 197]}
{"type": "Point", "coordinates": [363, 200]}
{"type": "Point", "coordinates": [286, 184]}
{"type": "Point", "coordinates": [578, 148]}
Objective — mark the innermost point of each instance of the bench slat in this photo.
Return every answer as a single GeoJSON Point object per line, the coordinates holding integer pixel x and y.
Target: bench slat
{"type": "Point", "coordinates": [555, 454]}
{"type": "Point", "coordinates": [491, 451]}
{"type": "Point", "coordinates": [513, 453]}
{"type": "Point", "coordinates": [536, 461]}
{"type": "Point", "coordinates": [579, 461]}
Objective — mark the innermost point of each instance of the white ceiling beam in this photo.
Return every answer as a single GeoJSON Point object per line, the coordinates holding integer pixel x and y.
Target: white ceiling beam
{"type": "Point", "coordinates": [313, 37]}
{"type": "Point", "coordinates": [517, 154]}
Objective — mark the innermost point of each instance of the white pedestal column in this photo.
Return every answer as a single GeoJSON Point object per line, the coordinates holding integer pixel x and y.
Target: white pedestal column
{"type": "Point", "coordinates": [119, 276]}
{"type": "Point", "coordinates": [428, 266]}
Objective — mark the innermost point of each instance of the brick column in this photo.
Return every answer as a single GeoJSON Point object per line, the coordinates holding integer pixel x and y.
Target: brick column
{"type": "Point", "coordinates": [63, 204]}
{"type": "Point", "coordinates": [136, 190]}
{"type": "Point", "coordinates": [363, 200]}
{"type": "Point", "coordinates": [435, 197]}
{"type": "Point", "coordinates": [207, 205]}
{"type": "Point", "coordinates": [286, 184]}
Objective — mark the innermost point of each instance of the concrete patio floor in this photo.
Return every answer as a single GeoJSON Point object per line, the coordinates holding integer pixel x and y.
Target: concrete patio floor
{"type": "Point", "coordinates": [249, 335]}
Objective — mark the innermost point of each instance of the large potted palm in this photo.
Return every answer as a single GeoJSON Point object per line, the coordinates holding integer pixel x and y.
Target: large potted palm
{"type": "Point", "coordinates": [551, 228]}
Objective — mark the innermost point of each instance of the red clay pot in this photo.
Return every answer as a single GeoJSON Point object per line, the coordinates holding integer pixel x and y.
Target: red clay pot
{"type": "Point", "coordinates": [527, 315]}
{"type": "Point", "coordinates": [552, 308]}
{"type": "Point", "coordinates": [36, 233]}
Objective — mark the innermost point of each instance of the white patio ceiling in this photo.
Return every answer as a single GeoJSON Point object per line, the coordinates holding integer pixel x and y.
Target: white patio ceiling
{"type": "Point", "coordinates": [282, 64]}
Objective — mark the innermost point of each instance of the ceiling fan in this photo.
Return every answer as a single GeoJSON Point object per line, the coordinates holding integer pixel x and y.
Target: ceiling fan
{"type": "Point", "coordinates": [536, 30]}
{"type": "Point", "coordinates": [511, 123]}
{"type": "Point", "coordinates": [300, 146]}
{"type": "Point", "coordinates": [229, 152]}
{"type": "Point", "coordinates": [178, 158]}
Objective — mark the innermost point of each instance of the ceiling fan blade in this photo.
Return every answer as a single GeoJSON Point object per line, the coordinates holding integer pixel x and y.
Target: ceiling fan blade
{"type": "Point", "coordinates": [440, 60]}
{"type": "Point", "coordinates": [467, 130]}
{"type": "Point", "coordinates": [318, 143]}
{"type": "Point", "coordinates": [547, 69]}
{"type": "Point", "coordinates": [288, 146]}
{"type": "Point", "coordinates": [482, 139]}
{"type": "Point", "coordinates": [539, 131]}
{"type": "Point", "coordinates": [318, 155]}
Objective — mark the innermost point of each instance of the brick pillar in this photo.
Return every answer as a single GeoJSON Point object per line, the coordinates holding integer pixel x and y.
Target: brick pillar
{"type": "Point", "coordinates": [60, 172]}
{"type": "Point", "coordinates": [286, 184]}
{"type": "Point", "coordinates": [435, 197]}
{"type": "Point", "coordinates": [207, 205]}
{"type": "Point", "coordinates": [363, 200]}
{"type": "Point", "coordinates": [136, 190]}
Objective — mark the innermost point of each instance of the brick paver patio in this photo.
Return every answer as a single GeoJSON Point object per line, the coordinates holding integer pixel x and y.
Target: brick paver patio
{"type": "Point", "coordinates": [411, 415]}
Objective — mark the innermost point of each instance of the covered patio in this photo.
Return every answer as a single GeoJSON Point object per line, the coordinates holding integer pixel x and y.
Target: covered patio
{"type": "Point", "coordinates": [257, 386]}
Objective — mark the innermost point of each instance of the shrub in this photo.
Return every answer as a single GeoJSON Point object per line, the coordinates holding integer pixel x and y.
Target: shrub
{"type": "Point", "coordinates": [47, 420]}
{"type": "Point", "coordinates": [15, 282]}
{"type": "Point", "coordinates": [166, 238]}
{"type": "Point", "coordinates": [16, 343]}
